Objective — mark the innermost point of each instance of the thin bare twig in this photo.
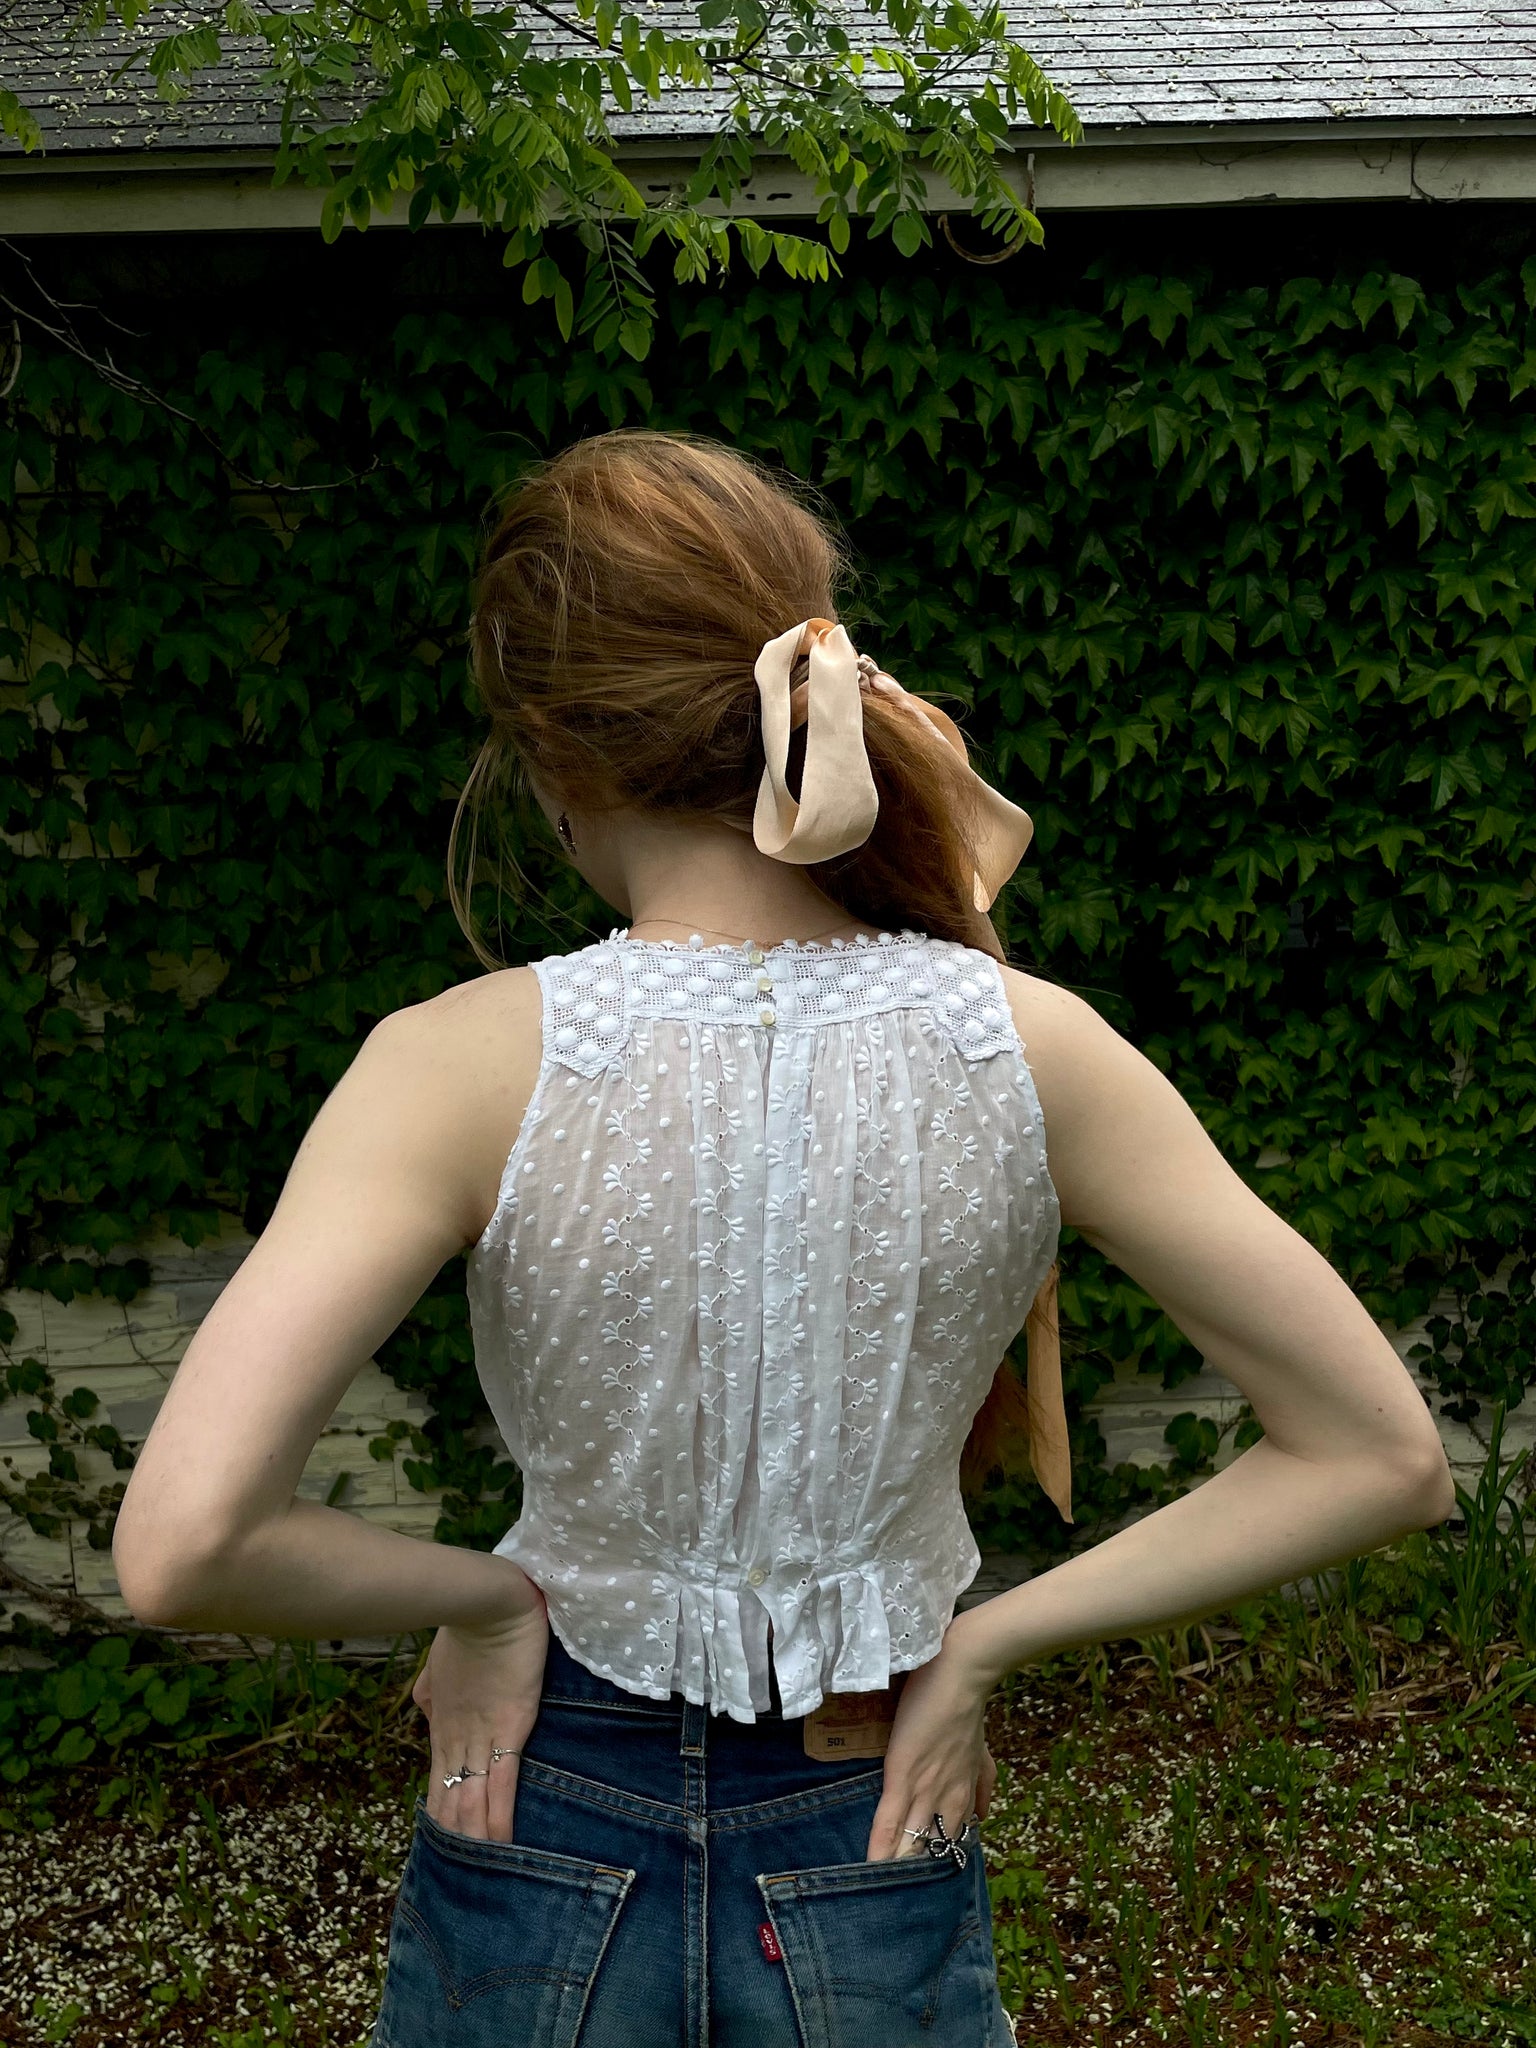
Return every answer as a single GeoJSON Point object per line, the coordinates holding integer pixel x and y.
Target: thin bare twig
{"type": "Point", "coordinates": [15, 352]}
{"type": "Point", "coordinates": [61, 330]}
{"type": "Point", "coordinates": [65, 1604]}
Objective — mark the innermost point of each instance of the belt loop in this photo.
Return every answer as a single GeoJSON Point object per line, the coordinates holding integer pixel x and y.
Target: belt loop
{"type": "Point", "coordinates": [695, 1723]}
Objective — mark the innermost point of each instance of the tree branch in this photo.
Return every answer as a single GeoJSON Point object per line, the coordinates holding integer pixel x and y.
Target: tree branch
{"type": "Point", "coordinates": [61, 330]}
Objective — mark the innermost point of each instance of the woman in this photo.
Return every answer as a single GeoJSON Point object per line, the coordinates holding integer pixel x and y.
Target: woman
{"type": "Point", "coordinates": [755, 1197]}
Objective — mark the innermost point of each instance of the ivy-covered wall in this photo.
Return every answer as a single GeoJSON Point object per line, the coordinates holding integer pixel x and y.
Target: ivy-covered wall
{"type": "Point", "coordinates": [1218, 532]}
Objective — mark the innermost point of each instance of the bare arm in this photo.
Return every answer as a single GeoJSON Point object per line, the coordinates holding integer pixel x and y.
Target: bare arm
{"type": "Point", "coordinates": [1350, 1458]}
{"type": "Point", "coordinates": [389, 1183]}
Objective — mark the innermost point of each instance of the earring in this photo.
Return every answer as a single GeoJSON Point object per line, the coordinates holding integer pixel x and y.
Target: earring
{"type": "Point", "coordinates": [563, 827]}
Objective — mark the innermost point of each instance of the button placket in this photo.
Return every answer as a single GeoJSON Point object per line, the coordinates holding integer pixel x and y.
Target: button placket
{"type": "Point", "coordinates": [767, 1014]}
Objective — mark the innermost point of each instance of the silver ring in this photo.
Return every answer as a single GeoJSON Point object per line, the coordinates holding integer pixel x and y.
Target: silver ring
{"type": "Point", "coordinates": [918, 1834]}
{"type": "Point", "coordinates": [457, 1777]}
{"type": "Point", "coordinates": [498, 1752]}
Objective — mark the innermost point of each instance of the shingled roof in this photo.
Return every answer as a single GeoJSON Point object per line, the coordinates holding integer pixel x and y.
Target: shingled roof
{"type": "Point", "coordinates": [1129, 66]}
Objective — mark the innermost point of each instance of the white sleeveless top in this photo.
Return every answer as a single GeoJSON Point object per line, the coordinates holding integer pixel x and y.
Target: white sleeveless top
{"type": "Point", "coordinates": [771, 1221]}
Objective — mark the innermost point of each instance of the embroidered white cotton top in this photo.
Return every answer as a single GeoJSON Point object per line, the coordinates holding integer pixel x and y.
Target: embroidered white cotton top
{"type": "Point", "coordinates": [770, 1223]}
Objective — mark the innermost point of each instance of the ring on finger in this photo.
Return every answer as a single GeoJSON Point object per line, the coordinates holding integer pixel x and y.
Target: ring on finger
{"type": "Point", "coordinates": [457, 1777]}
{"type": "Point", "coordinates": [926, 1834]}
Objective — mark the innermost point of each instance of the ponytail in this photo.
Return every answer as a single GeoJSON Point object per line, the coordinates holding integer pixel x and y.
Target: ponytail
{"type": "Point", "coordinates": [916, 867]}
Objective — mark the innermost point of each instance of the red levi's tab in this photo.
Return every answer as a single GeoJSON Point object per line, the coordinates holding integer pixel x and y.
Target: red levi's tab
{"type": "Point", "coordinates": [770, 1941]}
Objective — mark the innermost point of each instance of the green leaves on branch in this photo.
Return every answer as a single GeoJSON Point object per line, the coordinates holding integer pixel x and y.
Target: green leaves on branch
{"type": "Point", "coordinates": [19, 122]}
{"type": "Point", "coordinates": [502, 114]}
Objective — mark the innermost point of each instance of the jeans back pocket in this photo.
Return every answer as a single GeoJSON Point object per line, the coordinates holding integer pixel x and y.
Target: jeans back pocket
{"type": "Point", "coordinates": [887, 1954]}
{"type": "Point", "coordinates": [494, 1942]}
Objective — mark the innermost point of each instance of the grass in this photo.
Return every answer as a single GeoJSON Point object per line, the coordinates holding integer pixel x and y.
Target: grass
{"type": "Point", "coordinates": [1232, 1851]}
{"type": "Point", "coordinates": [1310, 1823]}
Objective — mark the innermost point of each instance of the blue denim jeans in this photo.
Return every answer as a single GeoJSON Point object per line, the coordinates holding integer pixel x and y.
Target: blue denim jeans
{"type": "Point", "coordinates": [683, 1880]}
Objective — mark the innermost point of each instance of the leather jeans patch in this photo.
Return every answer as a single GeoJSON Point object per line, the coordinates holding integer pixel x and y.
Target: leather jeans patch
{"type": "Point", "coordinates": [853, 1723]}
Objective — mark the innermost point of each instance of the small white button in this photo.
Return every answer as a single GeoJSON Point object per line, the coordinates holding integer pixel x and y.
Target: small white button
{"type": "Point", "coordinates": [756, 1576]}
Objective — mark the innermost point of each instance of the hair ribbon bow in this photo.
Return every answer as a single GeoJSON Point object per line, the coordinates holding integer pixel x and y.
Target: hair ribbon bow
{"type": "Point", "coordinates": [838, 800]}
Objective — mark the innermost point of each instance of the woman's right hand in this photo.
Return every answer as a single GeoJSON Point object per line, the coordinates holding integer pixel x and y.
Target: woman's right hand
{"type": "Point", "coordinates": [480, 1689]}
{"type": "Point", "coordinates": [937, 1760]}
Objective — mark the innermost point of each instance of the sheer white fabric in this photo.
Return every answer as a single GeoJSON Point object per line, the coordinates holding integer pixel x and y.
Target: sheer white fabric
{"type": "Point", "coordinates": [768, 1227]}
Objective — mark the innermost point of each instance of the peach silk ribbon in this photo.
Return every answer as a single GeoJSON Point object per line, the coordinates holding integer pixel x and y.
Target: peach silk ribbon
{"type": "Point", "coordinates": [836, 812]}
{"type": "Point", "coordinates": [1050, 1443]}
{"type": "Point", "coordinates": [838, 799]}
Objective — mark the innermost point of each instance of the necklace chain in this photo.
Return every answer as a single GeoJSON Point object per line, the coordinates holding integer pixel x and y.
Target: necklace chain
{"type": "Point", "coordinates": [740, 937]}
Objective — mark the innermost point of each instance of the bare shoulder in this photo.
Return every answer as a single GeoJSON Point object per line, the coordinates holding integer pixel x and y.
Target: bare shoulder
{"type": "Point", "coordinates": [1102, 1100]}
{"type": "Point", "coordinates": [1064, 1039]}
{"type": "Point", "coordinates": [485, 1004]}
{"type": "Point", "coordinates": [465, 1062]}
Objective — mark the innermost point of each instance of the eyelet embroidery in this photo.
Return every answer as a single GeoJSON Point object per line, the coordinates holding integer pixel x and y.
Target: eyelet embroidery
{"type": "Point", "coordinates": [597, 993]}
{"type": "Point", "coordinates": [742, 1295]}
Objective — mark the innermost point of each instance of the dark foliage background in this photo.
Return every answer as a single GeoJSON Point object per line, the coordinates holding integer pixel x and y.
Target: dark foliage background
{"type": "Point", "coordinates": [1215, 530]}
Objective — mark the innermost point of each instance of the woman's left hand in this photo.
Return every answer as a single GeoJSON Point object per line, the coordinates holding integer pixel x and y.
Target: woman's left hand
{"type": "Point", "coordinates": [480, 1689]}
{"type": "Point", "coordinates": [937, 1760]}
